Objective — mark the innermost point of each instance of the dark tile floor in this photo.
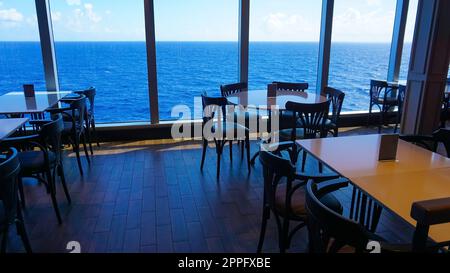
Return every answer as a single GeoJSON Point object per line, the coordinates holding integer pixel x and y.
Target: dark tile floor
{"type": "Point", "coordinates": [150, 196]}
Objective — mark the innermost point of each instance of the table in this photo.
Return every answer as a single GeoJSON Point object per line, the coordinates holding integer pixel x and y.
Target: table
{"type": "Point", "coordinates": [17, 103]}
{"type": "Point", "coordinates": [258, 99]}
{"type": "Point", "coordinates": [416, 175]}
{"type": "Point", "coordinates": [10, 125]}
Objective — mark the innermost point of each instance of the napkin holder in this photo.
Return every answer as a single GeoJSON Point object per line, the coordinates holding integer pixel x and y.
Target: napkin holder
{"type": "Point", "coordinates": [388, 147]}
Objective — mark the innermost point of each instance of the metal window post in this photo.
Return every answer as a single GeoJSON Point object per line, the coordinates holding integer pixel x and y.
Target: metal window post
{"type": "Point", "coordinates": [398, 36]}
{"type": "Point", "coordinates": [47, 44]}
{"type": "Point", "coordinates": [151, 60]}
{"type": "Point", "coordinates": [244, 30]}
{"type": "Point", "coordinates": [326, 29]}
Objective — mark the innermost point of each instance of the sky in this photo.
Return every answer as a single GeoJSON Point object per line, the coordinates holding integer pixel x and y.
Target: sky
{"type": "Point", "coordinates": [203, 20]}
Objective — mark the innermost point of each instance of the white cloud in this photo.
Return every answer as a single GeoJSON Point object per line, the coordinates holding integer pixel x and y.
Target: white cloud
{"type": "Point", "coordinates": [73, 2]}
{"type": "Point", "coordinates": [56, 16]}
{"type": "Point", "coordinates": [355, 26]}
{"type": "Point", "coordinates": [92, 16]}
{"type": "Point", "coordinates": [11, 15]}
{"type": "Point", "coordinates": [373, 2]}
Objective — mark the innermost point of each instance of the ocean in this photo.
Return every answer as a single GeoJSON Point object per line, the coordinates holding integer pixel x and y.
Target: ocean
{"type": "Point", "coordinates": [186, 69]}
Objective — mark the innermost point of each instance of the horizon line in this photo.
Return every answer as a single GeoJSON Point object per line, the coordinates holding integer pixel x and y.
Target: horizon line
{"type": "Point", "coordinates": [200, 41]}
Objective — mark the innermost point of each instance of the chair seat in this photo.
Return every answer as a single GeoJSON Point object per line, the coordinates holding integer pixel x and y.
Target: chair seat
{"type": "Point", "coordinates": [33, 161]}
{"type": "Point", "coordinates": [298, 201]}
{"type": "Point", "coordinates": [231, 129]}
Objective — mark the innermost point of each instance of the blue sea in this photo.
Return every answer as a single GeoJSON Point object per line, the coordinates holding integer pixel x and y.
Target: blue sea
{"type": "Point", "coordinates": [118, 70]}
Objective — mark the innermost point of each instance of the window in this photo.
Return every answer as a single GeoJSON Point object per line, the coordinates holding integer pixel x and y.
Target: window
{"type": "Point", "coordinates": [102, 43]}
{"type": "Point", "coordinates": [196, 49]}
{"type": "Point", "coordinates": [409, 34]}
{"type": "Point", "coordinates": [284, 42]}
{"type": "Point", "coordinates": [20, 51]}
{"type": "Point", "coordinates": [360, 49]}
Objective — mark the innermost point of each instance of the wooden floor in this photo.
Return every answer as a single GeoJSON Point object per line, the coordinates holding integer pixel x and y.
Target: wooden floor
{"type": "Point", "coordinates": [150, 196]}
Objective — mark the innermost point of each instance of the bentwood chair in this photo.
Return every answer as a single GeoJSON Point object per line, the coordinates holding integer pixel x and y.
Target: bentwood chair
{"type": "Point", "coordinates": [337, 100]}
{"type": "Point", "coordinates": [401, 101]}
{"type": "Point", "coordinates": [90, 94]}
{"type": "Point", "coordinates": [284, 193]}
{"type": "Point", "coordinates": [309, 123]}
{"type": "Point", "coordinates": [381, 96]}
{"type": "Point", "coordinates": [75, 131]}
{"type": "Point", "coordinates": [218, 128]}
{"type": "Point", "coordinates": [10, 210]}
{"type": "Point", "coordinates": [431, 142]}
{"type": "Point", "coordinates": [232, 89]}
{"type": "Point", "coordinates": [41, 158]}
{"type": "Point", "coordinates": [331, 232]}
{"type": "Point", "coordinates": [286, 117]}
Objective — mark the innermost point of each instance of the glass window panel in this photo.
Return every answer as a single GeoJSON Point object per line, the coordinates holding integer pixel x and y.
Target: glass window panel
{"type": "Point", "coordinates": [197, 50]}
{"type": "Point", "coordinates": [409, 34]}
{"type": "Point", "coordinates": [361, 43]}
{"type": "Point", "coordinates": [284, 42]}
{"type": "Point", "coordinates": [20, 51]}
{"type": "Point", "coordinates": [101, 43]}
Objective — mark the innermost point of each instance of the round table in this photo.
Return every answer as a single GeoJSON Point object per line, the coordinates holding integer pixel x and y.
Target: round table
{"type": "Point", "coordinates": [259, 99]}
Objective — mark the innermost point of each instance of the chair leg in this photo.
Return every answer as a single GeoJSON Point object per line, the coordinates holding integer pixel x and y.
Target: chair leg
{"type": "Point", "coordinates": [4, 239]}
{"type": "Point", "coordinates": [231, 150]}
{"type": "Point", "coordinates": [304, 160]}
{"type": "Point", "coordinates": [219, 148]}
{"type": "Point", "coordinates": [89, 139]}
{"type": "Point", "coordinates": [262, 234]}
{"type": "Point", "coordinates": [370, 114]}
{"type": "Point", "coordinates": [63, 182]}
{"type": "Point", "coordinates": [336, 132]}
{"type": "Point", "coordinates": [242, 144]}
{"type": "Point", "coordinates": [21, 192]}
{"type": "Point", "coordinates": [247, 147]}
{"type": "Point", "coordinates": [284, 243]}
{"type": "Point", "coordinates": [21, 230]}
{"type": "Point", "coordinates": [76, 148]}
{"type": "Point", "coordinates": [85, 149]}
{"type": "Point", "coordinates": [51, 183]}
{"type": "Point", "coordinates": [205, 145]}
{"type": "Point", "coordinates": [94, 131]}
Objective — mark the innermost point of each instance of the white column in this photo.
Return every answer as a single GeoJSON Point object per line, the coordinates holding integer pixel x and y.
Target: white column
{"type": "Point", "coordinates": [47, 44]}
{"type": "Point", "coordinates": [428, 68]}
{"type": "Point", "coordinates": [151, 60]}
{"type": "Point", "coordinates": [244, 30]}
{"type": "Point", "coordinates": [326, 30]}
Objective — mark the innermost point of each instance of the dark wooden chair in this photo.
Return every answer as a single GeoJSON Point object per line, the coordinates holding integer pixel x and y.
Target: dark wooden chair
{"type": "Point", "coordinates": [75, 131]}
{"type": "Point", "coordinates": [445, 112]}
{"type": "Point", "coordinates": [431, 142]}
{"type": "Point", "coordinates": [309, 122]}
{"type": "Point", "coordinates": [284, 193]}
{"type": "Point", "coordinates": [11, 212]}
{"type": "Point", "coordinates": [337, 100]}
{"type": "Point", "coordinates": [45, 163]}
{"type": "Point", "coordinates": [401, 101]}
{"type": "Point", "coordinates": [292, 86]}
{"type": "Point", "coordinates": [381, 96]}
{"type": "Point", "coordinates": [220, 129]}
{"type": "Point", "coordinates": [331, 232]}
{"type": "Point", "coordinates": [90, 94]}
{"type": "Point", "coordinates": [234, 88]}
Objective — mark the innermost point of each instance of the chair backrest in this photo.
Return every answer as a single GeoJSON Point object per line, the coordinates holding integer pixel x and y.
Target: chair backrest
{"type": "Point", "coordinates": [50, 134]}
{"type": "Point", "coordinates": [337, 100]}
{"type": "Point", "coordinates": [78, 109]}
{"type": "Point", "coordinates": [211, 106]}
{"type": "Point", "coordinates": [230, 89]}
{"type": "Point", "coordinates": [90, 95]}
{"type": "Point", "coordinates": [312, 117]}
{"type": "Point", "coordinates": [377, 87]}
{"type": "Point", "coordinates": [324, 221]}
{"type": "Point", "coordinates": [443, 136]}
{"type": "Point", "coordinates": [292, 86]}
{"type": "Point", "coordinates": [428, 213]}
{"type": "Point", "coordinates": [9, 173]}
{"type": "Point", "coordinates": [275, 169]}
